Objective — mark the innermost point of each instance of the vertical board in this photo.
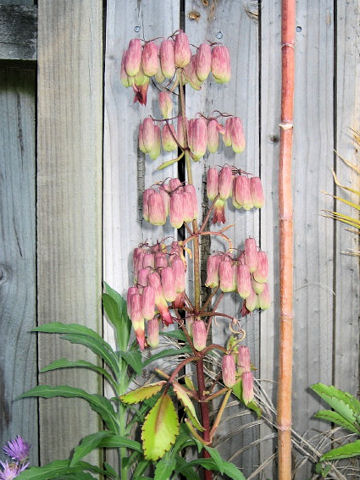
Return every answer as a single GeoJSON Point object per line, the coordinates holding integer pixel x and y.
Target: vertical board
{"type": "Point", "coordinates": [17, 256]}
{"type": "Point", "coordinates": [68, 204]}
{"type": "Point", "coordinates": [346, 341]}
{"type": "Point", "coordinates": [234, 24]}
{"type": "Point", "coordinates": [127, 172]}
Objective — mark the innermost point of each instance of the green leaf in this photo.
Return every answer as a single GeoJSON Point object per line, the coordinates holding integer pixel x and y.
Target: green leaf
{"type": "Point", "coordinates": [76, 333]}
{"type": "Point", "coordinates": [110, 472]}
{"type": "Point", "coordinates": [215, 455]}
{"type": "Point", "coordinates": [228, 468]}
{"type": "Point", "coordinates": [87, 445]}
{"type": "Point", "coordinates": [142, 393]}
{"type": "Point", "coordinates": [76, 476]}
{"type": "Point", "coordinates": [58, 469]}
{"type": "Point", "coordinates": [186, 471]}
{"type": "Point", "coordinates": [189, 383]}
{"type": "Point", "coordinates": [170, 162]}
{"type": "Point", "coordinates": [335, 417]}
{"type": "Point", "coordinates": [170, 352]}
{"type": "Point", "coordinates": [177, 334]}
{"type": "Point", "coordinates": [99, 404]}
{"type": "Point", "coordinates": [65, 363]}
{"type": "Point", "coordinates": [164, 467]}
{"type": "Point", "coordinates": [346, 451]}
{"type": "Point", "coordinates": [133, 358]}
{"type": "Point", "coordinates": [190, 411]}
{"type": "Point", "coordinates": [160, 428]}
{"type": "Point", "coordinates": [322, 470]}
{"type": "Point", "coordinates": [117, 441]}
{"type": "Point", "coordinates": [116, 311]}
{"type": "Point", "coordinates": [140, 468]}
{"type": "Point", "coordinates": [237, 391]}
{"type": "Point", "coordinates": [342, 402]}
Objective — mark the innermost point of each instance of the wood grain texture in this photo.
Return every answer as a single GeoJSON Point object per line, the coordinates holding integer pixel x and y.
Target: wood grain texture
{"type": "Point", "coordinates": [18, 32]}
{"type": "Point", "coordinates": [127, 172]}
{"type": "Point", "coordinates": [17, 256]}
{"type": "Point", "coordinates": [236, 26]}
{"type": "Point", "coordinates": [69, 179]}
{"type": "Point", "coordinates": [346, 341]}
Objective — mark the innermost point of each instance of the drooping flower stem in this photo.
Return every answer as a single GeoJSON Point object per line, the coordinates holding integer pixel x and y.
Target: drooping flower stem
{"type": "Point", "coordinates": [286, 240]}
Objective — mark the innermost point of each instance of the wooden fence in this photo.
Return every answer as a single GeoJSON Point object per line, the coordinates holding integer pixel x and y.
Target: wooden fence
{"type": "Point", "coordinates": [71, 177]}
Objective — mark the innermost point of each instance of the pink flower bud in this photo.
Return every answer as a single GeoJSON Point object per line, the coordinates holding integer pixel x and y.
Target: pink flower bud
{"type": "Point", "coordinates": [228, 370]}
{"type": "Point", "coordinates": [241, 193]}
{"type": "Point", "coordinates": [251, 254]}
{"type": "Point", "coordinates": [150, 59]}
{"type": "Point", "coordinates": [197, 137]}
{"type": "Point", "coordinates": [175, 251]}
{"type": "Point", "coordinates": [243, 281]}
{"type": "Point", "coordinates": [179, 274]}
{"type": "Point", "coordinates": [140, 79]}
{"type": "Point", "coordinates": [148, 261]}
{"type": "Point", "coordinates": [165, 104]}
{"type": "Point", "coordinates": [220, 64]}
{"type": "Point", "coordinates": [161, 260]}
{"type": "Point", "coordinates": [262, 271]}
{"type": "Point", "coordinates": [168, 284]}
{"type": "Point", "coordinates": [160, 302]}
{"type": "Point", "coordinates": [225, 182]}
{"type": "Point", "coordinates": [143, 277]}
{"type": "Point", "coordinates": [174, 183]}
{"type": "Point", "coordinates": [247, 387]}
{"type": "Point", "coordinates": [176, 210]}
{"type": "Point", "coordinates": [159, 76]}
{"type": "Point", "coordinates": [219, 211]}
{"type": "Point", "coordinates": [213, 135]}
{"type": "Point", "coordinates": [138, 256]}
{"type": "Point", "coordinates": [179, 301]}
{"type": "Point", "coordinates": [227, 133]}
{"type": "Point", "coordinates": [237, 135]}
{"type": "Point", "coordinates": [189, 74]}
{"type": "Point", "coordinates": [257, 287]}
{"type": "Point", "coordinates": [146, 195]}
{"type": "Point", "coordinates": [227, 275]}
{"type": "Point", "coordinates": [132, 59]}
{"type": "Point", "coordinates": [157, 212]}
{"type": "Point", "coordinates": [166, 198]}
{"type": "Point", "coordinates": [141, 93]}
{"type": "Point", "coordinates": [264, 298]}
{"type": "Point", "coordinates": [182, 51]}
{"type": "Point", "coordinates": [153, 332]}
{"type": "Point", "coordinates": [167, 59]}
{"type": "Point", "coordinates": [212, 183]}
{"type": "Point", "coordinates": [256, 191]}
{"type": "Point", "coordinates": [251, 301]}
{"type": "Point", "coordinates": [137, 318]}
{"type": "Point", "coordinates": [188, 207]}
{"type": "Point", "coordinates": [141, 139]}
{"type": "Point", "coordinates": [199, 334]}
{"type": "Point", "coordinates": [131, 291]}
{"type": "Point", "coordinates": [243, 359]}
{"type": "Point", "coordinates": [148, 303]}
{"type": "Point", "coordinates": [123, 75]}
{"type": "Point", "coordinates": [168, 138]}
{"type": "Point", "coordinates": [155, 151]}
{"type": "Point", "coordinates": [181, 137]}
{"type": "Point", "coordinates": [147, 131]}
{"type": "Point", "coordinates": [212, 270]}
{"type": "Point", "coordinates": [191, 190]}
{"type": "Point", "coordinates": [203, 61]}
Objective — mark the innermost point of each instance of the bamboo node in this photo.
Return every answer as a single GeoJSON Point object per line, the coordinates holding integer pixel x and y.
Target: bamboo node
{"type": "Point", "coordinates": [285, 427]}
{"type": "Point", "coordinates": [286, 125]}
{"type": "Point", "coordinates": [287, 44]}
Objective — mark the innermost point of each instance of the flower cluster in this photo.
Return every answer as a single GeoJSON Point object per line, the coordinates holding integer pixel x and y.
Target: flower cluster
{"type": "Point", "coordinates": [173, 199]}
{"type": "Point", "coordinates": [202, 134]}
{"type": "Point", "coordinates": [246, 192]}
{"type": "Point", "coordinates": [18, 451]}
{"type": "Point", "coordinates": [141, 61]}
{"type": "Point", "coordinates": [236, 366]}
{"type": "Point", "coordinates": [246, 274]}
{"type": "Point", "coordinates": [160, 280]}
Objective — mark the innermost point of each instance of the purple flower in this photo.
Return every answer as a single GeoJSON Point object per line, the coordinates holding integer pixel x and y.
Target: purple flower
{"type": "Point", "coordinates": [17, 449]}
{"type": "Point", "coordinates": [10, 471]}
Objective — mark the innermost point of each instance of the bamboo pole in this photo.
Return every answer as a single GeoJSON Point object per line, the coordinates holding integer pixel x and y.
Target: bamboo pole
{"type": "Point", "coordinates": [286, 240]}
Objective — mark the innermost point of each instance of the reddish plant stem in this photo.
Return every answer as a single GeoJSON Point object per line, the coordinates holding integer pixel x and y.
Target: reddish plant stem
{"type": "Point", "coordinates": [204, 408]}
{"type": "Point", "coordinates": [286, 241]}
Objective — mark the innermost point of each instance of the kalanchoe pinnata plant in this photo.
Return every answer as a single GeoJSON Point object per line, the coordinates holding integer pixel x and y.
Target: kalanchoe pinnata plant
{"type": "Point", "coordinates": [158, 297]}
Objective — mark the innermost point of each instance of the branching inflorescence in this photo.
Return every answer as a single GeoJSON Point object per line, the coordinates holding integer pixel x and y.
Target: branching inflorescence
{"type": "Point", "coordinates": [158, 297]}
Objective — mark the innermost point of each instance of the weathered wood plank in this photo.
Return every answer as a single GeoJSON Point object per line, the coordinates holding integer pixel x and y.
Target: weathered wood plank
{"type": "Point", "coordinates": [235, 25]}
{"type": "Point", "coordinates": [17, 256]}
{"type": "Point", "coordinates": [127, 172]}
{"type": "Point", "coordinates": [346, 341]}
{"type": "Point", "coordinates": [18, 32]}
{"type": "Point", "coordinates": [69, 203]}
